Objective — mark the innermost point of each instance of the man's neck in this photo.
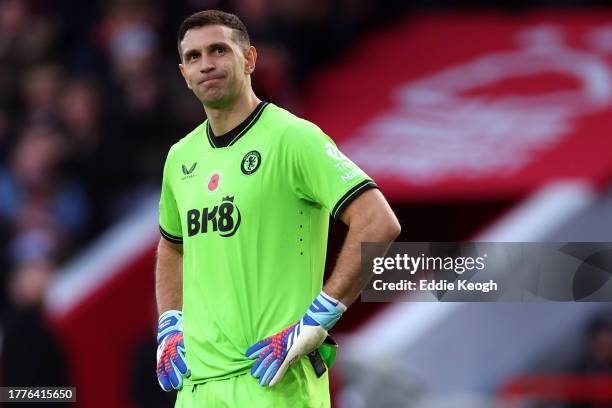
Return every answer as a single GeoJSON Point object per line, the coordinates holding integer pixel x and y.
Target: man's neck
{"type": "Point", "coordinates": [223, 120]}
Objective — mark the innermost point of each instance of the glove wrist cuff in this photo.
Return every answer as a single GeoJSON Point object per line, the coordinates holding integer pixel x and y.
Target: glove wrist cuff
{"type": "Point", "coordinates": [324, 311]}
{"type": "Point", "coordinates": [171, 312]}
{"type": "Point", "coordinates": [169, 321]}
{"type": "Point", "coordinates": [339, 305]}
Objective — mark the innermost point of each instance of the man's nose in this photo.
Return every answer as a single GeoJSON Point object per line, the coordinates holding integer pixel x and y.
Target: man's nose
{"type": "Point", "coordinates": [206, 66]}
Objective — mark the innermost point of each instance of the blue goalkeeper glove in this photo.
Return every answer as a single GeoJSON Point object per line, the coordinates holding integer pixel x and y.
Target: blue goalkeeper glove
{"type": "Point", "coordinates": [171, 364]}
{"type": "Point", "coordinates": [276, 353]}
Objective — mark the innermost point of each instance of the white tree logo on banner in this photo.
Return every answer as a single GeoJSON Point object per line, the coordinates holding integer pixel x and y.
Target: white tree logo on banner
{"type": "Point", "coordinates": [436, 130]}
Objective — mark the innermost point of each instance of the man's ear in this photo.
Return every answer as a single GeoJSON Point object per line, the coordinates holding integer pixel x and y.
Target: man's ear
{"type": "Point", "coordinates": [250, 60]}
{"type": "Point", "coordinates": [182, 69]}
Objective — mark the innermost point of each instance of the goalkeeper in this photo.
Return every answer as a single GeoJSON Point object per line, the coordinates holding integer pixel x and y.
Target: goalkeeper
{"type": "Point", "coordinates": [244, 212]}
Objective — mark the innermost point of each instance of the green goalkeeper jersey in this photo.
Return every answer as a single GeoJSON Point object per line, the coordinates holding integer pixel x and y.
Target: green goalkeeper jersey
{"type": "Point", "coordinates": [251, 209]}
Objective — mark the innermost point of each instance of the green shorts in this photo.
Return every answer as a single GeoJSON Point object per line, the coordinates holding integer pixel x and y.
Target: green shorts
{"type": "Point", "coordinates": [300, 388]}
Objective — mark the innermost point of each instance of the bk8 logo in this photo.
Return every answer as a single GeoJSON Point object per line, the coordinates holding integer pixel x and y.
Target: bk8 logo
{"type": "Point", "coordinates": [224, 219]}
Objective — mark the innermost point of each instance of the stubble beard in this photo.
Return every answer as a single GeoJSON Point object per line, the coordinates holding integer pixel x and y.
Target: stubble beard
{"type": "Point", "coordinates": [225, 98]}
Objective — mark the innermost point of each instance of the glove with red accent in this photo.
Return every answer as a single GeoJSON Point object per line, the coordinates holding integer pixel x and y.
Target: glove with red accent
{"type": "Point", "coordinates": [171, 363]}
{"type": "Point", "coordinates": [276, 353]}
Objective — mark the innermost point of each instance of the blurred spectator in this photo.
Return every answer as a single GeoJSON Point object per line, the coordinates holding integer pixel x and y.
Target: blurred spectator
{"type": "Point", "coordinates": [92, 153]}
{"type": "Point", "coordinates": [41, 86]}
{"type": "Point", "coordinates": [26, 40]}
{"type": "Point", "coordinates": [40, 205]}
{"type": "Point", "coordinates": [139, 110]}
{"type": "Point", "coordinates": [31, 354]}
{"type": "Point", "coordinates": [80, 112]}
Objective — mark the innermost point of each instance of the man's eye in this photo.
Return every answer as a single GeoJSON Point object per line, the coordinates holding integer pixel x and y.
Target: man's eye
{"type": "Point", "coordinates": [220, 50]}
{"type": "Point", "coordinates": [193, 57]}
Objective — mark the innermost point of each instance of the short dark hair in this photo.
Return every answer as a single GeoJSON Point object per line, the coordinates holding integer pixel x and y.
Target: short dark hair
{"type": "Point", "coordinates": [214, 17]}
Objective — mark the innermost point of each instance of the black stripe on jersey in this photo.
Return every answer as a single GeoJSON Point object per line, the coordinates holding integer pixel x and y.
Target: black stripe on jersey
{"type": "Point", "coordinates": [172, 238]}
{"type": "Point", "coordinates": [351, 195]}
{"type": "Point", "coordinates": [233, 135]}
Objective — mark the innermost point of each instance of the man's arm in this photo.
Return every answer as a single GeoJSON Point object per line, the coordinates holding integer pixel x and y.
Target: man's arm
{"type": "Point", "coordinates": [171, 362]}
{"type": "Point", "coordinates": [169, 276]}
{"type": "Point", "coordinates": [370, 219]}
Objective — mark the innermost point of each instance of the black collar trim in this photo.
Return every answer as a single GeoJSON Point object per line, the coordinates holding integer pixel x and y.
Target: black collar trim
{"type": "Point", "coordinates": [233, 135]}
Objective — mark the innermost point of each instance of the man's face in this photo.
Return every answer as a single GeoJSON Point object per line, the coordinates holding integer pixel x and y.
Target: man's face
{"type": "Point", "coordinates": [215, 66]}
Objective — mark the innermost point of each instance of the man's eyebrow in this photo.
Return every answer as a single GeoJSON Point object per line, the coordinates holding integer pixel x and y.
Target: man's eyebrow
{"type": "Point", "coordinates": [190, 52]}
{"type": "Point", "coordinates": [209, 47]}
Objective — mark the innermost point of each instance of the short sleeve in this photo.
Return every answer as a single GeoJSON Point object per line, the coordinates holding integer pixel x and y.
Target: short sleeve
{"type": "Point", "coordinates": [169, 218]}
{"type": "Point", "coordinates": [320, 173]}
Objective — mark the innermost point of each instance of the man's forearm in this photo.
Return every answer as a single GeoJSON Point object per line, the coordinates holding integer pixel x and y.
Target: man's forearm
{"type": "Point", "coordinates": [370, 219]}
{"type": "Point", "coordinates": [345, 282]}
{"type": "Point", "coordinates": [169, 277]}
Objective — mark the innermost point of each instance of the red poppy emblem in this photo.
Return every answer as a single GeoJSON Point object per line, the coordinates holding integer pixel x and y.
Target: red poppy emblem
{"type": "Point", "coordinates": [214, 182]}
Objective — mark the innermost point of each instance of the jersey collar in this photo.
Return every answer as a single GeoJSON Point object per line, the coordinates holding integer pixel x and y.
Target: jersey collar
{"type": "Point", "coordinates": [236, 133]}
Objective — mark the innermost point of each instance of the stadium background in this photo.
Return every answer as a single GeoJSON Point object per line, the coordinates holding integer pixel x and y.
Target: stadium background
{"type": "Point", "coordinates": [477, 122]}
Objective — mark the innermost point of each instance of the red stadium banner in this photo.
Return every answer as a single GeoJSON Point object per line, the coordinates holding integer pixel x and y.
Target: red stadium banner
{"type": "Point", "coordinates": [479, 106]}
